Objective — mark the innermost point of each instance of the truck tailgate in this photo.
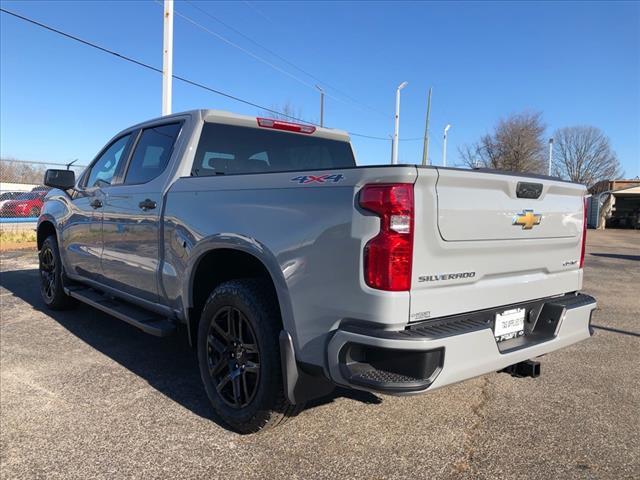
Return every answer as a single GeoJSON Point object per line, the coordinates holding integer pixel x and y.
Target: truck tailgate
{"type": "Point", "coordinates": [483, 206]}
{"type": "Point", "coordinates": [477, 245]}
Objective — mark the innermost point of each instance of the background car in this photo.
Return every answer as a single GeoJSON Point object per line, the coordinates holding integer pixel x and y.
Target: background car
{"type": "Point", "coordinates": [6, 196]}
{"type": "Point", "coordinates": [27, 204]}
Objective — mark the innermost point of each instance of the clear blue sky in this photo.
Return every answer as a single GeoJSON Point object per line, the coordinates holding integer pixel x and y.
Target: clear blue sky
{"type": "Point", "coordinates": [577, 62]}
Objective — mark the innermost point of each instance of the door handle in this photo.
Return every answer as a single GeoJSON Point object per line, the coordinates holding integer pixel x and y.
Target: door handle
{"type": "Point", "coordinates": [147, 204]}
{"type": "Point", "coordinates": [96, 203]}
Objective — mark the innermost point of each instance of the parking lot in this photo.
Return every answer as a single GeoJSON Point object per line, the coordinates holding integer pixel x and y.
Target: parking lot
{"type": "Point", "coordinates": [84, 395]}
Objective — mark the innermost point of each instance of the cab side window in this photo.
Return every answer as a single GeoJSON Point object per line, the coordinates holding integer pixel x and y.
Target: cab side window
{"type": "Point", "coordinates": [152, 153]}
{"type": "Point", "coordinates": [105, 167]}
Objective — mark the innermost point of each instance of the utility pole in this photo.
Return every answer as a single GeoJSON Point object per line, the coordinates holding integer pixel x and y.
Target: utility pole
{"type": "Point", "coordinates": [425, 148]}
{"type": "Point", "coordinates": [167, 57]}
{"type": "Point", "coordinates": [550, 154]}
{"type": "Point", "coordinates": [321, 105]}
{"type": "Point", "coordinates": [444, 146]}
{"type": "Point", "coordinates": [396, 130]}
{"type": "Point", "coordinates": [391, 138]}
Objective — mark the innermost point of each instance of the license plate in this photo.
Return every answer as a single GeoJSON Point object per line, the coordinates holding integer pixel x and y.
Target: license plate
{"type": "Point", "coordinates": [509, 324]}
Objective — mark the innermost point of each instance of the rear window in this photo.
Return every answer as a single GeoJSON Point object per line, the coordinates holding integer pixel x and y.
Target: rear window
{"type": "Point", "coordinates": [228, 149]}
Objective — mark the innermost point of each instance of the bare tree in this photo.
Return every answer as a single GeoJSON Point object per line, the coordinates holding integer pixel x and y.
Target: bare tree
{"type": "Point", "coordinates": [13, 170]}
{"type": "Point", "coordinates": [583, 154]}
{"type": "Point", "coordinates": [16, 171]}
{"type": "Point", "coordinates": [516, 144]}
{"type": "Point", "coordinates": [471, 155]}
{"type": "Point", "coordinates": [286, 111]}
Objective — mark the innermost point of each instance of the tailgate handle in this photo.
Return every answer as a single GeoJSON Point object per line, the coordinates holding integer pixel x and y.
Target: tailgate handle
{"type": "Point", "coordinates": [528, 190]}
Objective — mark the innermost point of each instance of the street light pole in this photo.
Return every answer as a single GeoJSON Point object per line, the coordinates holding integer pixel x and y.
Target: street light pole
{"type": "Point", "coordinates": [444, 146]}
{"type": "Point", "coordinates": [167, 57]}
{"type": "Point", "coordinates": [396, 130]}
{"type": "Point", "coordinates": [321, 105]}
{"type": "Point", "coordinates": [550, 154]}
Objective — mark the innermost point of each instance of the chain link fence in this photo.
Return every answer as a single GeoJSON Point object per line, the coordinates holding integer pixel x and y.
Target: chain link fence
{"type": "Point", "coordinates": [21, 188]}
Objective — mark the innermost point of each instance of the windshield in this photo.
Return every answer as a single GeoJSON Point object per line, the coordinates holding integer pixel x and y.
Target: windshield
{"type": "Point", "coordinates": [229, 149]}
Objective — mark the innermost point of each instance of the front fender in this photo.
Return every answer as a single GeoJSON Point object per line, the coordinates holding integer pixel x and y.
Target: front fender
{"type": "Point", "coordinates": [54, 212]}
{"type": "Point", "coordinates": [55, 208]}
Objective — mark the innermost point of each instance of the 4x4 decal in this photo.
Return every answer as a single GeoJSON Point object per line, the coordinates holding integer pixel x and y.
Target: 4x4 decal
{"type": "Point", "coordinates": [329, 178]}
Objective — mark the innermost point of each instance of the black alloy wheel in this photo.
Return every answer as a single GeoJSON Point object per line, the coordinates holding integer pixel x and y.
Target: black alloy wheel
{"type": "Point", "coordinates": [48, 273]}
{"type": "Point", "coordinates": [51, 275]}
{"type": "Point", "coordinates": [233, 357]}
{"type": "Point", "coordinates": [239, 356]}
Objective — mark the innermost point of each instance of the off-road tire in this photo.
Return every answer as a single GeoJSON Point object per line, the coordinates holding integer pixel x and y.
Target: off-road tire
{"type": "Point", "coordinates": [51, 275]}
{"type": "Point", "coordinates": [268, 406]}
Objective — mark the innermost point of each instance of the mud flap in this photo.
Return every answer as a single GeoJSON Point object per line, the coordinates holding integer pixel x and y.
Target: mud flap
{"type": "Point", "coordinates": [299, 386]}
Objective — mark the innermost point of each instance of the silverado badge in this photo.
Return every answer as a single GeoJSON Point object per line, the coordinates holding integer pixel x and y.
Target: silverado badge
{"type": "Point", "coordinates": [527, 219]}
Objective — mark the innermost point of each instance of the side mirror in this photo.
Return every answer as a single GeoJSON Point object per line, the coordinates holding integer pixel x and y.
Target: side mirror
{"type": "Point", "coordinates": [62, 179]}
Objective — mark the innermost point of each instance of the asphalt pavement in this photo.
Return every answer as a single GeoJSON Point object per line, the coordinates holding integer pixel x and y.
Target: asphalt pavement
{"type": "Point", "coordinates": [83, 395]}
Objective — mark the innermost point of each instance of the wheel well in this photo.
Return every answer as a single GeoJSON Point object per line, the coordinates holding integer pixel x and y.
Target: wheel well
{"type": "Point", "coordinates": [45, 229]}
{"type": "Point", "coordinates": [219, 266]}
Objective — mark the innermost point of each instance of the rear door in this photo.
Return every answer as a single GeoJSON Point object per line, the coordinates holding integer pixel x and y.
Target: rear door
{"type": "Point", "coordinates": [132, 210]}
{"type": "Point", "coordinates": [488, 239]}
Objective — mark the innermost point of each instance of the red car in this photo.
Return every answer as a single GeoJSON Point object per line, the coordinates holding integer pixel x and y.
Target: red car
{"type": "Point", "coordinates": [27, 204]}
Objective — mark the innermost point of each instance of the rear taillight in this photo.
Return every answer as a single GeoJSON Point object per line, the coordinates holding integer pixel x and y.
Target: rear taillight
{"type": "Point", "coordinates": [287, 126]}
{"type": "Point", "coordinates": [388, 256]}
{"type": "Point", "coordinates": [584, 231]}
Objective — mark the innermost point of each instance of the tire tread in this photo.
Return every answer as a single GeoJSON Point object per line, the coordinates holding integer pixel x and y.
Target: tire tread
{"type": "Point", "coordinates": [61, 300]}
{"type": "Point", "coordinates": [258, 297]}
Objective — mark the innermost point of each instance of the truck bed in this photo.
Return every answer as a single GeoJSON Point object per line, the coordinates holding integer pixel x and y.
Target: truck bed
{"type": "Point", "coordinates": [315, 233]}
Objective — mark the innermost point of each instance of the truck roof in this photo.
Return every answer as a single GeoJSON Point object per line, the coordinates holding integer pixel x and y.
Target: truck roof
{"type": "Point", "coordinates": [221, 116]}
{"type": "Point", "coordinates": [229, 118]}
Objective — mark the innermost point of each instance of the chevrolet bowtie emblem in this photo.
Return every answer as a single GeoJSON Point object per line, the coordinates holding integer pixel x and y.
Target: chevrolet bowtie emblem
{"type": "Point", "coordinates": [527, 219]}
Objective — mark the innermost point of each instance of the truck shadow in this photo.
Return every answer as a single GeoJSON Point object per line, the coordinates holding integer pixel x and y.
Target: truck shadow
{"type": "Point", "coordinates": [168, 364]}
{"type": "Point", "coordinates": [618, 256]}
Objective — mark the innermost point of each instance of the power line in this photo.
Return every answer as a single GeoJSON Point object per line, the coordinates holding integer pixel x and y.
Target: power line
{"type": "Point", "coordinates": [177, 77]}
{"type": "Point", "coordinates": [77, 39]}
{"type": "Point", "coordinates": [373, 137]}
{"type": "Point", "coordinates": [369, 136]}
{"type": "Point", "coordinates": [257, 10]}
{"type": "Point", "coordinates": [146, 65]}
{"type": "Point", "coordinates": [300, 69]}
{"type": "Point", "coordinates": [242, 49]}
{"type": "Point", "coordinates": [250, 53]}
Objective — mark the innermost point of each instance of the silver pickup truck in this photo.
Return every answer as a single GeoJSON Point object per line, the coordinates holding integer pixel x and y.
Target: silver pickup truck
{"type": "Point", "coordinates": [294, 270]}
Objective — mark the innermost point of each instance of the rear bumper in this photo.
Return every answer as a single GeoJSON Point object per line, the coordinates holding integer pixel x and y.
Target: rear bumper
{"type": "Point", "coordinates": [445, 351]}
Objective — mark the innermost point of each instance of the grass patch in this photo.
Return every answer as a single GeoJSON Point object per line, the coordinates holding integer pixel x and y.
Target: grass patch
{"type": "Point", "coordinates": [22, 236]}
